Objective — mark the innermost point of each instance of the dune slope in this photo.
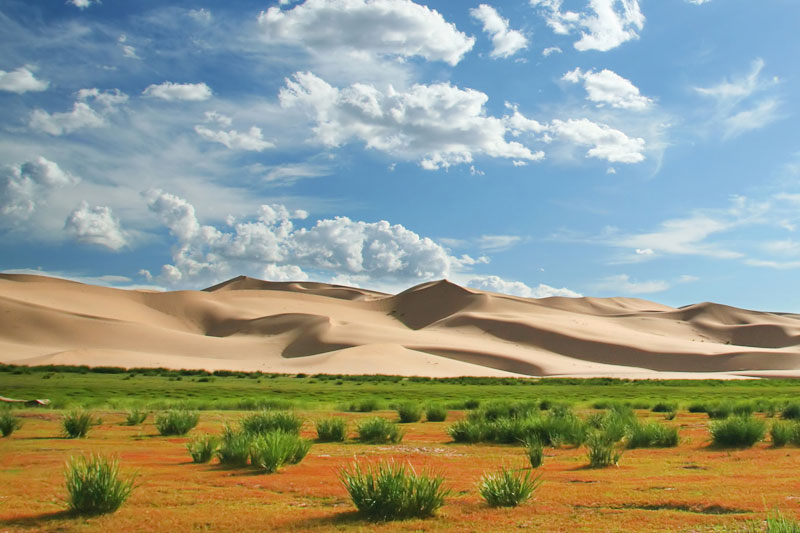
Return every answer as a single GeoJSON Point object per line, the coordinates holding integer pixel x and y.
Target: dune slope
{"type": "Point", "coordinates": [434, 329]}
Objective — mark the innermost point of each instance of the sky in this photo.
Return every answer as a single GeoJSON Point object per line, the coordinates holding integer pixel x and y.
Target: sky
{"type": "Point", "coordinates": [636, 148]}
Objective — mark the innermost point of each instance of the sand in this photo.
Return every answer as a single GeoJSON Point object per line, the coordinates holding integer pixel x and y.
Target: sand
{"type": "Point", "coordinates": [436, 329]}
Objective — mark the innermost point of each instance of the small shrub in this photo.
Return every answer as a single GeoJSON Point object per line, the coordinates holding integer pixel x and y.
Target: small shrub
{"type": "Point", "coordinates": [738, 431]}
{"type": "Point", "coordinates": [391, 492]}
{"type": "Point", "coordinates": [94, 486]}
{"type": "Point", "coordinates": [791, 411]}
{"type": "Point", "coordinates": [134, 417]}
{"type": "Point", "coordinates": [270, 451]}
{"type": "Point", "coordinates": [652, 435]}
{"type": "Point", "coordinates": [664, 407]}
{"type": "Point", "coordinates": [365, 405]}
{"type": "Point", "coordinates": [435, 413]}
{"type": "Point", "coordinates": [785, 432]}
{"type": "Point", "coordinates": [234, 450]}
{"type": "Point", "coordinates": [176, 422]}
{"type": "Point", "coordinates": [603, 450]}
{"type": "Point", "coordinates": [505, 488]}
{"type": "Point", "coordinates": [409, 412]}
{"type": "Point", "coordinates": [268, 421]}
{"type": "Point", "coordinates": [377, 430]}
{"type": "Point", "coordinates": [697, 407]}
{"type": "Point", "coordinates": [9, 422]}
{"type": "Point", "coordinates": [332, 430]}
{"type": "Point", "coordinates": [535, 452]}
{"type": "Point", "coordinates": [466, 431]}
{"type": "Point", "coordinates": [720, 411]}
{"type": "Point", "coordinates": [202, 448]}
{"type": "Point", "coordinates": [76, 423]}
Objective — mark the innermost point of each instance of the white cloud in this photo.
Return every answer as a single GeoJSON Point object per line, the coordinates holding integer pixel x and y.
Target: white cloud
{"type": "Point", "coordinates": [21, 81]}
{"type": "Point", "coordinates": [551, 50]}
{"type": "Point", "coordinates": [739, 109]}
{"type": "Point", "coordinates": [218, 118]}
{"type": "Point", "coordinates": [251, 140]}
{"type": "Point", "coordinates": [128, 50]}
{"type": "Point", "coordinates": [608, 87]}
{"type": "Point", "coordinates": [190, 92]}
{"type": "Point", "coordinates": [96, 225]}
{"type": "Point", "coordinates": [622, 284]}
{"type": "Point", "coordinates": [378, 27]}
{"type": "Point", "coordinates": [506, 42]}
{"type": "Point", "coordinates": [271, 246]}
{"type": "Point", "coordinates": [645, 251]}
{"type": "Point", "coordinates": [609, 24]}
{"type": "Point", "coordinates": [440, 125]}
{"type": "Point", "coordinates": [517, 288]}
{"type": "Point", "coordinates": [698, 2]}
{"type": "Point", "coordinates": [606, 142]}
{"type": "Point", "coordinates": [82, 4]}
{"type": "Point", "coordinates": [496, 243]}
{"type": "Point", "coordinates": [25, 187]}
{"type": "Point", "coordinates": [82, 115]}
{"type": "Point", "coordinates": [203, 16]}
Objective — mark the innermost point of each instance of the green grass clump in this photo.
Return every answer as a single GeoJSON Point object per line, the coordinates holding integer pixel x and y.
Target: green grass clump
{"type": "Point", "coordinates": [268, 421]}
{"type": "Point", "coordinates": [9, 422]}
{"type": "Point", "coordinates": [651, 435]}
{"type": "Point", "coordinates": [777, 523]}
{"type": "Point", "coordinates": [134, 417]}
{"type": "Point", "coordinates": [435, 413]}
{"type": "Point", "coordinates": [331, 430]}
{"type": "Point", "coordinates": [270, 451]}
{"type": "Point", "coordinates": [535, 452]}
{"type": "Point", "coordinates": [234, 449]}
{"type": "Point", "coordinates": [409, 412]}
{"type": "Point", "coordinates": [365, 405]}
{"type": "Point", "coordinates": [791, 411]}
{"type": "Point", "coordinates": [466, 431]}
{"type": "Point", "coordinates": [202, 448]}
{"type": "Point", "coordinates": [720, 411]}
{"type": "Point", "coordinates": [604, 449]}
{"type": "Point", "coordinates": [377, 430]}
{"type": "Point", "coordinates": [505, 488]}
{"type": "Point", "coordinates": [76, 423]}
{"type": "Point", "coordinates": [738, 431]}
{"type": "Point", "coordinates": [176, 422]}
{"type": "Point", "coordinates": [94, 486]}
{"type": "Point", "coordinates": [785, 432]}
{"type": "Point", "coordinates": [664, 407]}
{"type": "Point", "coordinates": [391, 492]}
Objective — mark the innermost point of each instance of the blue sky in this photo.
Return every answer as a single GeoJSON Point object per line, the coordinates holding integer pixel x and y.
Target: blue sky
{"type": "Point", "coordinates": [641, 148]}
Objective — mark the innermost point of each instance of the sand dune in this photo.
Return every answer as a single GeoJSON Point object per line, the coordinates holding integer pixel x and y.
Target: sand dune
{"type": "Point", "coordinates": [433, 329]}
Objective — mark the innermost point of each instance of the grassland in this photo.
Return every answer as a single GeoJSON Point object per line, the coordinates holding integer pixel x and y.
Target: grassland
{"type": "Point", "coordinates": [694, 486]}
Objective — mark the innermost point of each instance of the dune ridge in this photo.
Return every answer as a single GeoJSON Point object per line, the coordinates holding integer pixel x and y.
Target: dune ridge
{"type": "Point", "coordinates": [434, 329]}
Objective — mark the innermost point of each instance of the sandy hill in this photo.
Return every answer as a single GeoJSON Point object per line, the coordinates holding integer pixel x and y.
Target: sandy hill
{"type": "Point", "coordinates": [433, 329]}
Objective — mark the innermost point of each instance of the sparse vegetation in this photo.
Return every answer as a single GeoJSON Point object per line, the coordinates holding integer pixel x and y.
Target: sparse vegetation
{"type": "Point", "coordinates": [651, 435]}
{"type": "Point", "coordinates": [94, 486]}
{"type": "Point", "coordinates": [604, 449]}
{"type": "Point", "coordinates": [409, 412]}
{"type": "Point", "coordinates": [535, 452]}
{"type": "Point", "coordinates": [393, 492]}
{"type": "Point", "coordinates": [9, 422]}
{"type": "Point", "coordinates": [202, 448]}
{"type": "Point", "coordinates": [738, 431]}
{"type": "Point", "coordinates": [270, 451]}
{"type": "Point", "coordinates": [377, 430]}
{"type": "Point", "coordinates": [507, 488]}
{"type": "Point", "coordinates": [134, 417]}
{"type": "Point", "coordinates": [176, 422]}
{"type": "Point", "coordinates": [268, 421]}
{"type": "Point", "coordinates": [331, 430]}
{"type": "Point", "coordinates": [435, 413]}
{"type": "Point", "coordinates": [234, 448]}
{"type": "Point", "coordinates": [76, 423]}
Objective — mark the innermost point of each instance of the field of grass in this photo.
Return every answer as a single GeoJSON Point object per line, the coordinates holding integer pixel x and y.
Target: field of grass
{"type": "Point", "coordinates": [694, 486]}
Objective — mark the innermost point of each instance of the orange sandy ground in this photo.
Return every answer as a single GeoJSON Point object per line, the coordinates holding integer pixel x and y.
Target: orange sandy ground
{"type": "Point", "coordinates": [689, 488]}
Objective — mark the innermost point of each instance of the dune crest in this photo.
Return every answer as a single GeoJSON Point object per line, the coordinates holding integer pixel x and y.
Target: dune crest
{"type": "Point", "coordinates": [434, 329]}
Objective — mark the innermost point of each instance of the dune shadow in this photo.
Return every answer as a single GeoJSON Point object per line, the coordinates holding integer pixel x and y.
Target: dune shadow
{"type": "Point", "coordinates": [37, 520]}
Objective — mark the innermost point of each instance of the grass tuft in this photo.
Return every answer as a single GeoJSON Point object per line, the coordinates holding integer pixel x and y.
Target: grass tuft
{"type": "Point", "coordinates": [234, 449]}
{"type": "Point", "coordinates": [331, 430]}
{"type": "Point", "coordinates": [651, 435]}
{"type": "Point", "coordinates": [391, 492]}
{"type": "Point", "coordinates": [738, 431]}
{"type": "Point", "coordinates": [409, 412]}
{"type": "Point", "coordinates": [505, 488]}
{"type": "Point", "coordinates": [435, 413]}
{"type": "Point", "coordinates": [9, 422]}
{"type": "Point", "coordinates": [134, 417]}
{"type": "Point", "coordinates": [202, 448]}
{"type": "Point", "coordinates": [94, 486]}
{"type": "Point", "coordinates": [268, 421]}
{"type": "Point", "coordinates": [603, 448]}
{"type": "Point", "coordinates": [377, 430]}
{"type": "Point", "coordinates": [535, 452]}
{"type": "Point", "coordinates": [270, 451]}
{"type": "Point", "coordinates": [76, 423]}
{"type": "Point", "coordinates": [176, 422]}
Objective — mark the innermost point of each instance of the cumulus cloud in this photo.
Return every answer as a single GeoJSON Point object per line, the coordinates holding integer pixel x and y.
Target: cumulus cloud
{"type": "Point", "coordinates": [518, 288]}
{"type": "Point", "coordinates": [551, 50]}
{"type": "Point", "coordinates": [604, 25]}
{"type": "Point", "coordinates": [96, 225]}
{"type": "Point", "coordinates": [170, 91]}
{"type": "Point", "coordinates": [250, 140]}
{"type": "Point", "coordinates": [741, 104]}
{"type": "Point", "coordinates": [25, 187]}
{"type": "Point", "coordinates": [82, 4]}
{"type": "Point", "coordinates": [608, 87]}
{"type": "Point", "coordinates": [82, 115]}
{"type": "Point", "coordinates": [606, 142]}
{"type": "Point", "coordinates": [506, 42]}
{"type": "Point", "coordinates": [377, 27]}
{"type": "Point", "coordinates": [271, 246]}
{"type": "Point", "coordinates": [440, 125]}
{"type": "Point", "coordinates": [21, 81]}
